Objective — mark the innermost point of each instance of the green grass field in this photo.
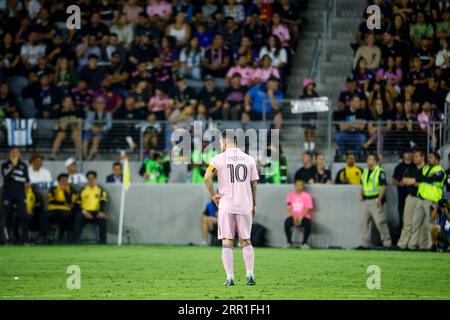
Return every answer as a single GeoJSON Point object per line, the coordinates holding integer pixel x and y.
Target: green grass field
{"type": "Point", "coordinates": [176, 272]}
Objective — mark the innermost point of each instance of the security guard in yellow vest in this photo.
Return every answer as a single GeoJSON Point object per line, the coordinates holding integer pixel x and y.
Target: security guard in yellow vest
{"type": "Point", "coordinates": [374, 186]}
{"type": "Point", "coordinates": [431, 186]}
{"type": "Point", "coordinates": [61, 200]}
{"type": "Point", "coordinates": [92, 201]}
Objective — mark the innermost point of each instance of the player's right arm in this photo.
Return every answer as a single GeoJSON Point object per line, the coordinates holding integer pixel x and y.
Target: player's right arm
{"type": "Point", "coordinates": [209, 175]}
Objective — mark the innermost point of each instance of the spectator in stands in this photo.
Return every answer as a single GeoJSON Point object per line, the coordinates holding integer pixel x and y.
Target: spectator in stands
{"type": "Point", "coordinates": [130, 112]}
{"type": "Point", "coordinates": [9, 56]}
{"type": "Point", "coordinates": [437, 95]}
{"type": "Point", "coordinates": [379, 124]}
{"type": "Point", "coordinates": [92, 202]}
{"type": "Point", "coordinates": [183, 93]}
{"type": "Point", "coordinates": [300, 204]}
{"type": "Point", "coordinates": [418, 75]}
{"type": "Point", "coordinates": [265, 70]}
{"type": "Point", "coordinates": [142, 51]}
{"type": "Point", "coordinates": [245, 71]}
{"type": "Point", "coordinates": [67, 124]}
{"type": "Point", "coordinates": [403, 169]}
{"type": "Point", "coordinates": [37, 173]}
{"type": "Point", "coordinates": [161, 74]}
{"type": "Point", "coordinates": [86, 51]}
{"type": "Point", "coordinates": [264, 100]}
{"type": "Point", "coordinates": [351, 173]}
{"type": "Point", "coordinates": [133, 11]}
{"type": "Point", "coordinates": [117, 175]}
{"type": "Point", "coordinates": [47, 98]}
{"type": "Point", "coordinates": [420, 29]}
{"type": "Point", "coordinates": [374, 185]}
{"type": "Point", "coordinates": [351, 127]}
{"type": "Point", "coordinates": [208, 222]}
{"type": "Point", "coordinates": [75, 178]}
{"type": "Point", "coordinates": [179, 29]}
{"type": "Point", "coordinates": [350, 89]}
{"type": "Point", "coordinates": [234, 99]}
{"type": "Point", "coordinates": [392, 74]}
{"type": "Point", "coordinates": [191, 58]}
{"type": "Point", "coordinates": [232, 34]}
{"type": "Point", "coordinates": [160, 104]}
{"type": "Point", "coordinates": [370, 52]}
{"type": "Point", "coordinates": [256, 31]}
{"type": "Point", "coordinates": [307, 173]}
{"type": "Point", "coordinates": [290, 15]}
{"type": "Point", "coordinates": [363, 75]}
{"type": "Point", "coordinates": [280, 30]}
{"type": "Point", "coordinates": [32, 50]}
{"type": "Point", "coordinates": [65, 75]}
{"type": "Point", "coordinates": [235, 11]}
{"type": "Point", "coordinates": [61, 201]}
{"type": "Point", "coordinates": [276, 52]}
{"type": "Point", "coordinates": [322, 173]}
{"type": "Point", "coordinates": [113, 101]}
{"type": "Point", "coordinates": [8, 103]}
{"type": "Point", "coordinates": [92, 73]}
{"type": "Point", "coordinates": [309, 119]}
{"type": "Point", "coordinates": [443, 56]}
{"type": "Point", "coordinates": [428, 119]}
{"type": "Point", "coordinates": [159, 11]}
{"type": "Point", "coordinates": [82, 97]}
{"type": "Point", "coordinates": [124, 30]}
{"type": "Point", "coordinates": [97, 124]}
{"type": "Point", "coordinates": [217, 58]}
{"type": "Point", "coordinates": [212, 98]}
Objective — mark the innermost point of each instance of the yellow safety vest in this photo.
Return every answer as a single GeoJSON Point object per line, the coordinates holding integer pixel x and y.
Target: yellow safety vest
{"type": "Point", "coordinates": [371, 184]}
{"type": "Point", "coordinates": [431, 191]}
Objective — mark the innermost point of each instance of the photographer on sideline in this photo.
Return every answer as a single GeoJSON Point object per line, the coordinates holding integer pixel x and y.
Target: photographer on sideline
{"type": "Point", "coordinates": [440, 233]}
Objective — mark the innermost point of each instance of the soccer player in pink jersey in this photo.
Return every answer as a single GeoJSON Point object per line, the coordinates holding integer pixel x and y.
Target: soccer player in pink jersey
{"type": "Point", "coordinates": [237, 177]}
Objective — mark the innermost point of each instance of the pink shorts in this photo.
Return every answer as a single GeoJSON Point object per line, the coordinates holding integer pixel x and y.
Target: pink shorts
{"type": "Point", "coordinates": [229, 224]}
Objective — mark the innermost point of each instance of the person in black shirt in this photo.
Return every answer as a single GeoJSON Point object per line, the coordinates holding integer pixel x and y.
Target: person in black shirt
{"type": "Point", "coordinates": [412, 201]}
{"type": "Point", "coordinates": [322, 174]}
{"type": "Point", "coordinates": [401, 170]}
{"type": "Point", "coordinates": [211, 98]}
{"type": "Point", "coordinates": [447, 184]}
{"type": "Point", "coordinates": [15, 176]}
{"type": "Point", "coordinates": [307, 173]}
{"type": "Point", "coordinates": [234, 99]}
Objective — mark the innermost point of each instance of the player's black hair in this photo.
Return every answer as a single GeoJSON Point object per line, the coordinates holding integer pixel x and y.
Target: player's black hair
{"type": "Point", "coordinates": [89, 173]}
{"type": "Point", "coordinates": [62, 175]}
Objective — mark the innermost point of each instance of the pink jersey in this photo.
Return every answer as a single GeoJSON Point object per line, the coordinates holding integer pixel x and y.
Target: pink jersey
{"type": "Point", "coordinates": [235, 171]}
{"type": "Point", "coordinates": [299, 202]}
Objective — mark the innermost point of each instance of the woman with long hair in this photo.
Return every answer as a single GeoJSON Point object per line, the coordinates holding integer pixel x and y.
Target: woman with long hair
{"type": "Point", "coordinates": [180, 30]}
{"type": "Point", "coordinates": [275, 50]}
{"type": "Point", "coordinates": [191, 58]}
{"type": "Point", "coordinates": [65, 75]}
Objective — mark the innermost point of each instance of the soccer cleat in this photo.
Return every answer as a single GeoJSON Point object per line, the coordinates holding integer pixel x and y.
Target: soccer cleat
{"type": "Point", "coordinates": [251, 281]}
{"type": "Point", "coordinates": [433, 248]}
{"type": "Point", "coordinates": [229, 283]}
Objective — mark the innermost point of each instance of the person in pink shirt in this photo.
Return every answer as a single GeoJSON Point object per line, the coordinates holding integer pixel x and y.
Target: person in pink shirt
{"type": "Point", "coordinates": [280, 30]}
{"type": "Point", "coordinates": [160, 104]}
{"type": "Point", "coordinates": [159, 8]}
{"type": "Point", "coordinates": [132, 11]}
{"type": "Point", "coordinates": [300, 204]}
{"type": "Point", "coordinates": [265, 71]}
{"type": "Point", "coordinates": [236, 199]}
{"type": "Point", "coordinates": [243, 69]}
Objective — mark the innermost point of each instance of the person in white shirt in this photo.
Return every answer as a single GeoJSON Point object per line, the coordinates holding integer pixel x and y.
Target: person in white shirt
{"type": "Point", "coordinates": [75, 178]}
{"type": "Point", "coordinates": [37, 173]}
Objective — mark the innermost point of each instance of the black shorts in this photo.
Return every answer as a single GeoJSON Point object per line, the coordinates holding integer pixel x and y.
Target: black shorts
{"type": "Point", "coordinates": [309, 120]}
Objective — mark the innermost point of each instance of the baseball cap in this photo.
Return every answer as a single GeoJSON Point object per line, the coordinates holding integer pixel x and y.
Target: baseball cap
{"type": "Point", "coordinates": [70, 162]}
{"type": "Point", "coordinates": [180, 77]}
{"type": "Point", "coordinates": [209, 77]}
{"type": "Point", "coordinates": [307, 82]}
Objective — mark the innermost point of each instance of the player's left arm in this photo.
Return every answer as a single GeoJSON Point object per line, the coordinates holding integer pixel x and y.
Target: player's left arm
{"type": "Point", "coordinates": [253, 185]}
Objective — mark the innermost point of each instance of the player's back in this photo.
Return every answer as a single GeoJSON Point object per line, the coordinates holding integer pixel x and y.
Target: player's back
{"type": "Point", "coordinates": [235, 171]}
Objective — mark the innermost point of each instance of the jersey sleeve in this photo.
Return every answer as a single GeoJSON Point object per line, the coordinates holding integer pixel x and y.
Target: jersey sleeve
{"type": "Point", "coordinates": [253, 171]}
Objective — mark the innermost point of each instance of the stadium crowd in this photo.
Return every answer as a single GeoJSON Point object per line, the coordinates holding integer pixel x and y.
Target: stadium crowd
{"type": "Point", "coordinates": [176, 61]}
{"type": "Point", "coordinates": [399, 83]}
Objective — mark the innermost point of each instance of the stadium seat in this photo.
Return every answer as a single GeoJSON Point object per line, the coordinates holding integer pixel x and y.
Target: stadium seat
{"type": "Point", "coordinates": [16, 85]}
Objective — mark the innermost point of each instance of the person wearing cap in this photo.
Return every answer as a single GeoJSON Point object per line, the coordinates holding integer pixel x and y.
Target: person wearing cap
{"type": "Point", "coordinates": [37, 173]}
{"type": "Point", "coordinates": [234, 99]}
{"type": "Point", "coordinates": [264, 100]}
{"type": "Point", "coordinates": [309, 119]}
{"type": "Point", "coordinates": [75, 178]}
{"type": "Point", "coordinates": [47, 98]}
{"type": "Point", "coordinates": [92, 72]}
{"type": "Point", "coordinates": [430, 191]}
{"type": "Point", "coordinates": [351, 88]}
{"type": "Point", "coordinates": [183, 93]}
{"type": "Point", "coordinates": [211, 97]}
{"type": "Point", "coordinates": [402, 169]}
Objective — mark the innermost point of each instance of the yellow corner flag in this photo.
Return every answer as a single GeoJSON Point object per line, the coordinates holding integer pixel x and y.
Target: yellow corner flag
{"type": "Point", "coordinates": [126, 175]}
